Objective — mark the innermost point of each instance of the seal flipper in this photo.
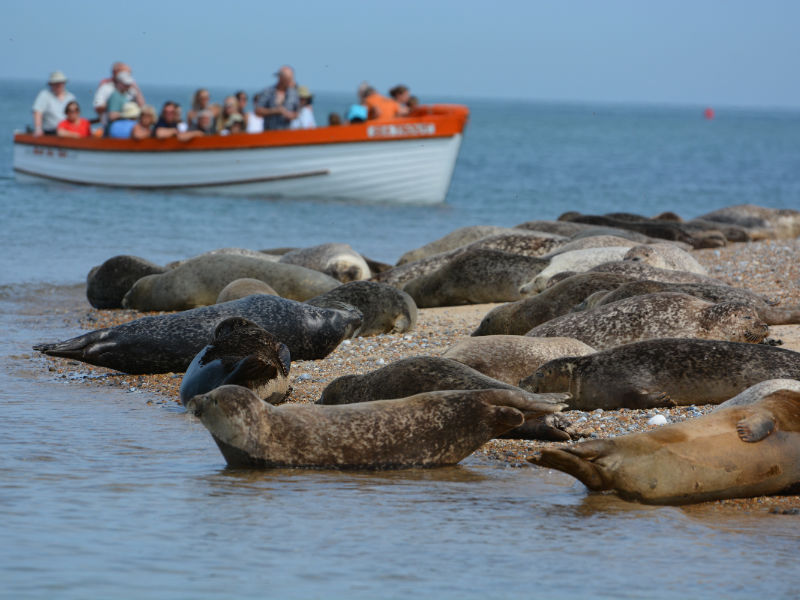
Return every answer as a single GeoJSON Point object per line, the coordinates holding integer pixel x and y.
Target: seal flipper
{"type": "Point", "coordinates": [639, 398]}
{"type": "Point", "coordinates": [562, 459]}
{"type": "Point", "coordinates": [755, 427]}
{"type": "Point", "coordinates": [284, 357]}
{"type": "Point", "coordinates": [551, 428]}
{"type": "Point", "coordinates": [78, 347]}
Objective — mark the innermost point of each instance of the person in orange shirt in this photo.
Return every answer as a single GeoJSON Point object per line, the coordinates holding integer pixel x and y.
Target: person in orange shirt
{"type": "Point", "coordinates": [74, 125]}
{"type": "Point", "coordinates": [379, 107]}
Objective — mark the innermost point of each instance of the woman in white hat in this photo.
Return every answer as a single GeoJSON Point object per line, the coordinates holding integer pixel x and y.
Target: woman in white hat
{"type": "Point", "coordinates": [48, 108]}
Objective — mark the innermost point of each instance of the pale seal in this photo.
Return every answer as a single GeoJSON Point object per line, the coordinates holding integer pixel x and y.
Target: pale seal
{"type": "Point", "coordinates": [385, 309]}
{"type": "Point", "coordinates": [665, 256]}
{"type": "Point", "coordinates": [108, 283]}
{"type": "Point", "coordinates": [424, 430]}
{"type": "Point", "coordinates": [339, 261]}
{"type": "Point", "coordinates": [418, 374]}
{"type": "Point", "coordinates": [240, 353]}
{"type": "Point", "coordinates": [241, 288]}
{"type": "Point", "coordinates": [198, 282]}
{"type": "Point", "coordinates": [165, 343]}
{"type": "Point", "coordinates": [518, 318]}
{"type": "Point", "coordinates": [738, 452]}
{"type": "Point", "coordinates": [576, 261]}
{"type": "Point", "coordinates": [758, 391]}
{"type": "Point", "coordinates": [662, 315]}
{"type": "Point", "coordinates": [510, 358]}
{"type": "Point", "coordinates": [663, 372]}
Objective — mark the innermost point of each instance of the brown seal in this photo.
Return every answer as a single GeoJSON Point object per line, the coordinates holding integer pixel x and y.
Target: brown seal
{"type": "Point", "coordinates": [241, 288]}
{"type": "Point", "coordinates": [240, 353]}
{"type": "Point", "coordinates": [424, 430]}
{"type": "Point", "coordinates": [663, 372]}
{"type": "Point", "coordinates": [662, 315]}
{"type": "Point", "coordinates": [738, 452]}
{"type": "Point", "coordinates": [510, 358]}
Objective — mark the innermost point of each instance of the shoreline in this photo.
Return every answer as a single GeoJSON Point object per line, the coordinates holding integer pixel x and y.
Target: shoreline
{"type": "Point", "coordinates": [769, 267]}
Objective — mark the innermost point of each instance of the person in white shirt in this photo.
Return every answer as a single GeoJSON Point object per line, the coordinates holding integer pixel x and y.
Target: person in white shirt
{"type": "Point", "coordinates": [107, 87]}
{"type": "Point", "coordinates": [305, 116]}
{"type": "Point", "coordinates": [49, 106]}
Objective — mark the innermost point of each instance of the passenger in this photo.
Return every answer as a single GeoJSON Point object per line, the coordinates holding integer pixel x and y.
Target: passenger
{"type": "Point", "coordinates": [48, 108]}
{"type": "Point", "coordinates": [357, 113]}
{"type": "Point", "coordinates": [204, 123]}
{"type": "Point", "coordinates": [234, 124]}
{"type": "Point", "coordinates": [241, 98]}
{"type": "Point", "coordinates": [305, 116]}
{"type": "Point", "coordinates": [74, 126]}
{"type": "Point", "coordinates": [401, 94]}
{"type": "Point", "coordinates": [144, 126]}
{"type": "Point", "coordinates": [255, 124]}
{"type": "Point", "coordinates": [229, 108]}
{"type": "Point", "coordinates": [379, 107]}
{"type": "Point", "coordinates": [334, 119]}
{"type": "Point", "coordinates": [123, 86]}
{"type": "Point", "coordinates": [170, 125]}
{"type": "Point", "coordinates": [201, 101]}
{"type": "Point", "coordinates": [107, 87]}
{"type": "Point", "coordinates": [121, 128]}
{"type": "Point", "coordinates": [413, 103]}
{"type": "Point", "coordinates": [279, 104]}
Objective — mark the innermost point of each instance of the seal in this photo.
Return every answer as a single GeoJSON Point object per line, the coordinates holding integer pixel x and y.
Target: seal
{"type": "Point", "coordinates": [663, 372]}
{"type": "Point", "coordinates": [576, 261]}
{"type": "Point", "coordinates": [665, 256]}
{"type": "Point", "coordinates": [641, 271]}
{"type": "Point", "coordinates": [418, 374]}
{"type": "Point", "coordinates": [510, 358]}
{"type": "Point", "coordinates": [339, 261]}
{"type": "Point", "coordinates": [759, 221]}
{"type": "Point", "coordinates": [518, 318]}
{"type": "Point", "coordinates": [475, 277]}
{"type": "Point", "coordinates": [758, 391]}
{"type": "Point", "coordinates": [425, 430]}
{"type": "Point", "coordinates": [168, 343]}
{"type": "Point", "coordinates": [229, 252]}
{"type": "Point", "coordinates": [595, 241]}
{"type": "Point", "coordinates": [455, 239]}
{"type": "Point", "coordinates": [767, 311]}
{"type": "Point", "coordinates": [737, 452]}
{"type": "Point", "coordinates": [385, 309]}
{"type": "Point", "coordinates": [240, 353]}
{"type": "Point", "coordinates": [241, 288]}
{"type": "Point", "coordinates": [666, 314]}
{"type": "Point", "coordinates": [198, 282]}
{"type": "Point", "coordinates": [108, 283]}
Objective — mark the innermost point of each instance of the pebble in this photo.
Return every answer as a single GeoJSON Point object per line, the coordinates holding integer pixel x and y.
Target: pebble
{"type": "Point", "coordinates": [657, 420]}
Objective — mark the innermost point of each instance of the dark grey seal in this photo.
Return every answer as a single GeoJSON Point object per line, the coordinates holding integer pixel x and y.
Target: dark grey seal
{"type": "Point", "coordinates": [240, 353]}
{"type": "Point", "coordinates": [168, 343]}
{"type": "Point", "coordinates": [108, 283]}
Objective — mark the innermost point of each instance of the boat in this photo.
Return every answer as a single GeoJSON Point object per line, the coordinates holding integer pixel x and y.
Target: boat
{"type": "Point", "coordinates": [401, 160]}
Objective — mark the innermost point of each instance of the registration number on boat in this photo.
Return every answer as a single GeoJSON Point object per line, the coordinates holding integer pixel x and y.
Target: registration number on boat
{"type": "Point", "coordinates": [401, 130]}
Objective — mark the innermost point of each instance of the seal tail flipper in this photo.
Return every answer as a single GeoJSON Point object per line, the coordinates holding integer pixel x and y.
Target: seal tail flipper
{"type": "Point", "coordinates": [755, 427]}
{"type": "Point", "coordinates": [775, 315]}
{"type": "Point", "coordinates": [580, 468]}
{"type": "Point", "coordinates": [72, 348]}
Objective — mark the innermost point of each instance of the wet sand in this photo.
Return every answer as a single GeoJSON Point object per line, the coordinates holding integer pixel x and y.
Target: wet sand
{"type": "Point", "coordinates": [769, 267]}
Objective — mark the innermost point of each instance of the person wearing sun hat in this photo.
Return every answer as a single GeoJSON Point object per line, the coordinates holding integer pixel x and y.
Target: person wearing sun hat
{"type": "Point", "coordinates": [122, 127]}
{"type": "Point", "coordinates": [305, 116]}
{"type": "Point", "coordinates": [50, 104]}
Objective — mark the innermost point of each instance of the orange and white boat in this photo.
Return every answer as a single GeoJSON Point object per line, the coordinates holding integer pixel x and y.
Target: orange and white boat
{"type": "Point", "coordinates": [403, 160]}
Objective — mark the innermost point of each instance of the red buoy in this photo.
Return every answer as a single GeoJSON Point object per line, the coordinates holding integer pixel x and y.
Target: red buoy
{"type": "Point", "coordinates": [709, 113]}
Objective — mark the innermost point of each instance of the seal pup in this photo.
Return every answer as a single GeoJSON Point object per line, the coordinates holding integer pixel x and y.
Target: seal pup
{"type": "Point", "coordinates": [737, 452]}
{"type": "Point", "coordinates": [518, 318]}
{"type": "Point", "coordinates": [662, 315]}
{"type": "Point", "coordinates": [576, 261]}
{"type": "Point", "coordinates": [510, 358]}
{"type": "Point", "coordinates": [240, 353]}
{"type": "Point", "coordinates": [108, 283]}
{"type": "Point", "coordinates": [241, 288]}
{"type": "Point", "coordinates": [168, 343]}
{"type": "Point", "coordinates": [385, 309]}
{"type": "Point", "coordinates": [198, 282]}
{"type": "Point", "coordinates": [418, 374]}
{"type": "Point", "coordinates": [758, 391]}
{"type": "Point", "coordinates": [663, 372]}
{"type": "Point", "coordinates": [339, 261]}
{"type": "Point", "coordinates": [425, 430]}
{"type": "Point", "coordinates": [475, 277]}
{"type": "Point", "coordinates": [766, 309]}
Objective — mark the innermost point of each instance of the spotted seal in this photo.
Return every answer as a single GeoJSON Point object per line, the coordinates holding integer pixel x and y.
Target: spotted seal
{"type": "Point", "coordinates": [740, 451]}
{"type": "Point", "coordinates": [665, 256]}
{"type": "Point", "coordinates": [240, 353]}
{"type": "Point", "coordinates": [165, 343]}
{"type": "Point", "coordinates": [455, 239]}
{"type": "Point", "coordinates": [663, 372]}
{"type": "Point", "coordinates": [425, 430]}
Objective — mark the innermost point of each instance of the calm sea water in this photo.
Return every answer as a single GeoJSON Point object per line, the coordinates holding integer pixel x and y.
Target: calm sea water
{"type": "Point", "coordinates": [105, 495]}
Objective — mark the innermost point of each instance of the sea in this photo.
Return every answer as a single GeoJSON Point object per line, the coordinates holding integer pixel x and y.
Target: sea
{"type": "Point", "coordinates": [112, 493]}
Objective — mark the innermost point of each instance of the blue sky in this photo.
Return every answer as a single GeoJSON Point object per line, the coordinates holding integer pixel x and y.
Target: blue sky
{"type": "Point", "coordinates": [704, 52]}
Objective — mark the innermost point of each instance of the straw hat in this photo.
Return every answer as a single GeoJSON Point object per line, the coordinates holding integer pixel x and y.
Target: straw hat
{"type": "Point", "coordinates": [303, 92]}
{"type": "Point", "coordinates": [57, 77]}
{"type": "Point", "coordinates": [130, 110]}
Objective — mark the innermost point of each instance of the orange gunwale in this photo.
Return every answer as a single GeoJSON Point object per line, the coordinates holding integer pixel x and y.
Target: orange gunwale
{"type": "Point", "coordinates": [448, 119]}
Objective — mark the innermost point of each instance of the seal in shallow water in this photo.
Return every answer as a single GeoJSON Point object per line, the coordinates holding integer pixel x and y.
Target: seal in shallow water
{"type": "Point", "coordinates": [240, 353]}
{"type": "Point", "coordinates": [736, 452]}
{"type": "Point", "coordinates": [165, 343]}
{"type": "Point", "coordinates": [662, 315]}
{"type": "Point", "coordinates": [424, 430]}
{"type": "Point", "coordinates": [663, 372]}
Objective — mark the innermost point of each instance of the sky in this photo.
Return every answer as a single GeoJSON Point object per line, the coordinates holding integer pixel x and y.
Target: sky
{"type": "Point", "coordinates": [703, 52]}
